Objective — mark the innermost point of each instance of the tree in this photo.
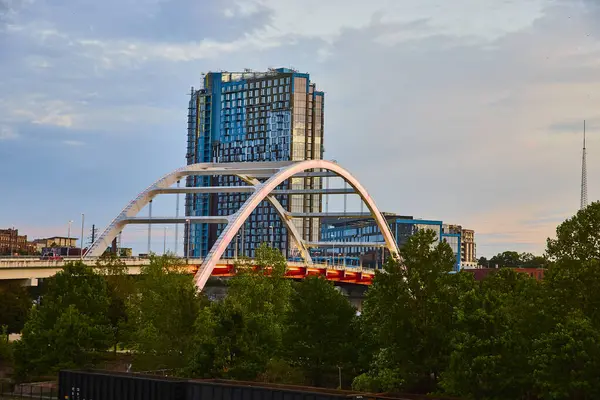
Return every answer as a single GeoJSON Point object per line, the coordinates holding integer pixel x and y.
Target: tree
{"type": "Point", "coordinates": [407, 316]}
{"type": "Point", "coordinates": [162, 314]}
{"type": "Point", "coordinates": [566, 360]}
{"type": "Point", "coordinates": [484, 262]}
{"type": "Point", "coordinates": [120, 288]}
{"type": "Point", "coordinates": [492, 339]}
{"type": "Point", "coordinates": [71, 321]}
{"type": "Point", "coordinates": [574, 286]}
{"type": "Point", "coordinates": [238, 337]}
{"type": "Point", "coordinates": [510, 259]}
{"type": "Point", "coordinates": [513, 259]}
{"type": "Point", "coordinates": [577, 238]}
{"type": "Point", "coordinates": [15, 304]}
{"type": "Point", "coordinates": [320, 334]}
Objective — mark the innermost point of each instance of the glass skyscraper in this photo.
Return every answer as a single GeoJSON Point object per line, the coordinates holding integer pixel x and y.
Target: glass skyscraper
{"type": "Point", "coordinates": [248, 116]}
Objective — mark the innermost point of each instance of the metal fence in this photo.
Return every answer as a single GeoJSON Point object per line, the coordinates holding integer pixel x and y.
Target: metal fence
{"type": "Point", "coordinates": [37, 390]}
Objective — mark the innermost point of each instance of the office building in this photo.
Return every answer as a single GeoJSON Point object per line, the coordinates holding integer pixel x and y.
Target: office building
{"type": "Point", "coordinates": [366, 230]}
{"type": "Point", "coordinates": [247, 116]}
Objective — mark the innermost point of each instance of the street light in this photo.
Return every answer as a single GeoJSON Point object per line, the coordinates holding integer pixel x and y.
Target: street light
{"type": "Point", "coordinates": [272, 236]}
{"type": "Point", "coordinates": [165, 240]}
{"type": "Point", "coordinates": [81, 250]}
{"type": "Point", "coordinates": [187, 246]}
{"type": "Point", "coordinates": [69, 238]}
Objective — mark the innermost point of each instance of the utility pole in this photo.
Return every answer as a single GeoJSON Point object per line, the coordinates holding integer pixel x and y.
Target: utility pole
{"type": "Point", "coordinates": [93, 236]}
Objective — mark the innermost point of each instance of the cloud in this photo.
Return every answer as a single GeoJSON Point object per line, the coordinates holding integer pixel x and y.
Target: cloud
{"type": "Point", "coordinates": [73, 143]}
{"type": "Point", "coordinates": [448, 110]}
{"type": "Point", "coordinates": [7, 133]}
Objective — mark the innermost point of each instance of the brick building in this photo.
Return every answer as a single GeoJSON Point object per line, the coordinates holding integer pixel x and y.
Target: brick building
{"type": "Point", "coordinates": [11, 242]}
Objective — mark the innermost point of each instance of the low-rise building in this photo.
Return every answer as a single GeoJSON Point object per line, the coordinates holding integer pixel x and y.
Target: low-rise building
{"type": "Point", "coordinates": [366, 230]}
{"type": "Point", "coordinates": [482, 273]}
{"type": "Point", "coordinates": [12, 243]}
{"type": "Point", "coordinates": [56, 241]}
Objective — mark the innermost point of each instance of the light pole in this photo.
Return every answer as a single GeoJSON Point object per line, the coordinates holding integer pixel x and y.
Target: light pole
{"type": "Point", "coordinates": [69, 238]}
{"type": "Point", "coordinates": [81, 250]}
{"type": "Point", "coordinates": [243, 239]}
{"type": "Point", "coordinates": [235, 252]}
{"type": "Point", "coordinates": [165, 240]}
{"type": "Point", "coordinates": [187, 245]}
{"type": "Point", "coordinates": [272, 236]}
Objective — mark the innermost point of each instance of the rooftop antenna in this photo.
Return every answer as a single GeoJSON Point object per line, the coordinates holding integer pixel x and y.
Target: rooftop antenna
{"type": "Point", "coordinates": [584, 199]}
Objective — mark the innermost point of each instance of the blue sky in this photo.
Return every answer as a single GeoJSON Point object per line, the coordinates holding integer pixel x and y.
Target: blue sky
{"type": "Point", "coordinates": [468, 111]}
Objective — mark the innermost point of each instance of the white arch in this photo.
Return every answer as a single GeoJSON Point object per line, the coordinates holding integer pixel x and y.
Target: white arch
{"type": "Point", "coordinates": [264, 190]}
{"type": "Point", "coordinates": [136, 205]}
{"type": "Point", "coordinates": [291, 228]}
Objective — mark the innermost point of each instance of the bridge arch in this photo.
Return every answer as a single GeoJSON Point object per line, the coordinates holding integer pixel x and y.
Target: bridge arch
{"type": "Point", "coordinates": [264, 189]}
{"type": "Point", "coordinates": [276, 172]}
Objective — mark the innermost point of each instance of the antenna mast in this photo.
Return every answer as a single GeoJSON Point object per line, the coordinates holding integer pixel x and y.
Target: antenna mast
{"type": "Point", "coordinates": [584, 199]}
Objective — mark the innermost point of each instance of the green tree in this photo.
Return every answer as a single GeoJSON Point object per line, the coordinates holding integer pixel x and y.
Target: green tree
{"type": "Point", "coordinates": [75, 304]}
{"type": "Point", "coordinates": [239, 336]}
{"type": "Point", "coordinates": [121, 288]}
{"type": "Point", "coordinates": [492, 340]}
{"type": "Point", "coordinates": [6, 348]}
{"type": "Point", "coordinates": [566, 360]}
{"type": "Point", "coordinates": [578, 238]}
{"type": "Point", "coordinates": [407, 316]}
{"type": "Point", "coordinates": [574, 286]}
{"type": "Point", "coordinates": [15, 304]}
{"type": "Point", "coordinates": [511, 259]}
{"type": "Point", "coordinates": [321, 333]}
{"type": "Point", "coordinates": [484, 262]}
{"type": "Point", "coordinates": [162, 314]}
{"type": "Point", "coordinates": [529, 260]}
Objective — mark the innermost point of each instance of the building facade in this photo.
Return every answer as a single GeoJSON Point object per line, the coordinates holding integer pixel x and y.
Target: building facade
{"type": "Point", "coordinates": [366, 230]}
{"type": "Point", "coordinates": [468, 251]}
{"type": "Point", "coordinates": [454, 239]}
{"type": "Point", "coordinates": [55, 241]}
{"type": "Point", "coordinates": [11, 242]}
{"type": "Point", "coordinates": [277, 115]}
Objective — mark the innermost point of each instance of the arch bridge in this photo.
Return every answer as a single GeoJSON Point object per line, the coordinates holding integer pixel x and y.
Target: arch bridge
{"type": "Point", "coordinates": [262, 180]}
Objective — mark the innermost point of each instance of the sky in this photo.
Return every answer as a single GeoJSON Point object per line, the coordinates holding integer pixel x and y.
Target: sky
{"type": "Point", "coordinates": [466, 111]}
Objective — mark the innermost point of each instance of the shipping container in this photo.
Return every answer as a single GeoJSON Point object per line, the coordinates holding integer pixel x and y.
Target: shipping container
{"type": "Point", "coordinates": [102, 385]}
{"type": "Point", "coordinates": [221, 390]}
{"type": "Point", "coordinates": [99, 385]}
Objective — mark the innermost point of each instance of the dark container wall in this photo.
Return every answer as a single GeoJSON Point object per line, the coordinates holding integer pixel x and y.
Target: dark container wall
{"type": "Point", "coordinates": [199, 390]}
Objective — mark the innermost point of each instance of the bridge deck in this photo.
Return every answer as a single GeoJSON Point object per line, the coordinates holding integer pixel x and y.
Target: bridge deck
{"type": "Point", "coordinates": [33, 268]}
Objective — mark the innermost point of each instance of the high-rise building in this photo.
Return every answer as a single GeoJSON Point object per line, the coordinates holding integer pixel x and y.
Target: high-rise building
{"type": "Point", "coordinates": [468, 250]}
{"type": "Point", "coordinates": [275, 115]}
{"type": "Point", "coordinates": [452, 235]}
